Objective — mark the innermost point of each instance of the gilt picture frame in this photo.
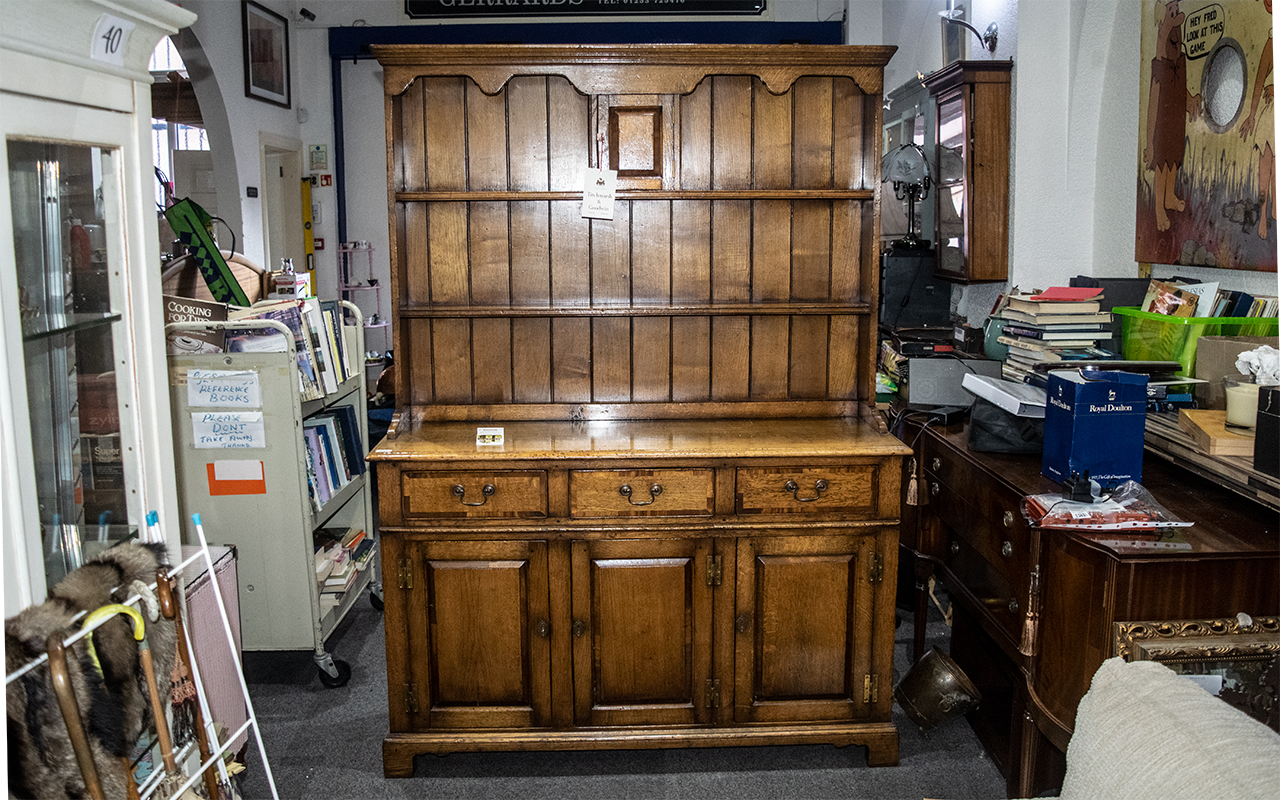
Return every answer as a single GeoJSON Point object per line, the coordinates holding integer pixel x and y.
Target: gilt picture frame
{"type": "Point", "coordinates": [1236, 658]}
{"type": "Point", "coordinates": [266, 55]}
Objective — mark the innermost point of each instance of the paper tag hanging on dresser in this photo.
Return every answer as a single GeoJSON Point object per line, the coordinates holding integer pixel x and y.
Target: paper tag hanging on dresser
{"type": "Point", "coordinates": [599, 189]}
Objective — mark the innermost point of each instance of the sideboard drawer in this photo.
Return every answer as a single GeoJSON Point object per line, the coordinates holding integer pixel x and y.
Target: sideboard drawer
{"type": "Point", "coordinates": [641, 493]}
{"type": "Point", "coordinates": [807, 490]}
{"type": "Point", "coordinates": [439, 495]}
{"type": "Point", "coordinates": [989, 590]}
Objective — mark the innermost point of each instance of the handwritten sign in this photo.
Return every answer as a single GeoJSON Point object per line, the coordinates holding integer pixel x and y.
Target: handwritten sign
{"type": "Point", "coordinates": [226, 430]}
{"type": "Point", "coordinates": [110, 38]}
{"type": "Point", "coordinates": [235, 388]}
{"type": "Point", "coordinates": [1202, 29]}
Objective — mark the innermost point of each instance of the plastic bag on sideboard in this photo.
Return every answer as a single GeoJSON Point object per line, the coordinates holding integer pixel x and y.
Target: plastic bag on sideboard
{"type": "Point", "coordinates": [1128, 507]}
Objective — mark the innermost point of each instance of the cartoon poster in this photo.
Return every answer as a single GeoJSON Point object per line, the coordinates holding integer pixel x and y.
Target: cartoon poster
{"type": "Point", "coordinates": [1206, 150]}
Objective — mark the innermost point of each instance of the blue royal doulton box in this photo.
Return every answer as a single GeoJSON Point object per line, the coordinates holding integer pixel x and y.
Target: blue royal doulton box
{"type": "Point", "coordinates": [1094, 421]}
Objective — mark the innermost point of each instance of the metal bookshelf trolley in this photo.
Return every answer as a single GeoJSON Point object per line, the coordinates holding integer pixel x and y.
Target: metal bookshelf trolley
{"type": "Point", "coordinates": [254, 490]}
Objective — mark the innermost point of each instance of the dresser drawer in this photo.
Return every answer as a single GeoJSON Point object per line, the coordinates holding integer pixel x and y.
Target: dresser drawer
{"type": "Point", "coordinates": [439, 495]}
{"type": "Point", "coordinates": [641, 493]}
{"type": "Point", "coordinates": [979, 584]}
{"type": "Point", "coordinates": [990, 521]}
{"type": "Point", "coordinates": [807, 490]}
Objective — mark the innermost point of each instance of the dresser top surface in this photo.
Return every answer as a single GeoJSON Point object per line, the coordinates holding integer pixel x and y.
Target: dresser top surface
{"type": "Point", "coordinates": [648, 439]}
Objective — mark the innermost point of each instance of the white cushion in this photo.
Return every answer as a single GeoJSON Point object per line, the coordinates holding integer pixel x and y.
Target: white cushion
{"type": "Point", "coordinates": [1142, 731]}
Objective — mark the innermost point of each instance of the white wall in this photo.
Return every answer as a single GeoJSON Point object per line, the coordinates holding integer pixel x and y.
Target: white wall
{"type": "Point", "coordinates": [216, 67]}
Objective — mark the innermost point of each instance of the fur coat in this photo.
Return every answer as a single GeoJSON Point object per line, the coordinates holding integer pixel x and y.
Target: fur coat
{"type": "Point", "coordinates": [114, 705]}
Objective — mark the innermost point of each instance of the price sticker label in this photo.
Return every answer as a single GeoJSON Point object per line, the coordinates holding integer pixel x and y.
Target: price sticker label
{"type": "Point", "coordinates": [110, 38]}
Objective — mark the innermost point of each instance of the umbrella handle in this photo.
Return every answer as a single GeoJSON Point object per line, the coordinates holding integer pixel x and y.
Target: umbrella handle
{"type": "Point", "coordinates": [71, 715]}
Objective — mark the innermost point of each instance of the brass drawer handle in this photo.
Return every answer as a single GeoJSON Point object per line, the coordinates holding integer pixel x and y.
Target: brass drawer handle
{"type": "Point", "coordinates": [654, 490]}
{"type": "Point", "coordinates": [819, 486]}
{"type": "Point", "coordinates": [934, 488]}
{"type": "Point", "coordinates": [1006, 549]}
{"type": "Point", "coordinates": [543, 629]}
{"type": "Point", "coordinates": [487, 490]}
{"type": "Point", "coordinates": [1013, 606]}
{"type": "Point", "coordinates": [1008, 519]}
{"type": "Point", "coordinates": [937, 464]}
{"type": "Point", "coordinates": [955, 548]}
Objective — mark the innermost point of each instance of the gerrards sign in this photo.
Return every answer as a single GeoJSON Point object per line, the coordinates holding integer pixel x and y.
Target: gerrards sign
{"type": "Point", "coordinates": [422, 9]}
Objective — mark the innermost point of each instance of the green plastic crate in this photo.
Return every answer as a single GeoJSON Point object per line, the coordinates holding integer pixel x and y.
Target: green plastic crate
{"type": "Point", "coordinates": [1158, 337]}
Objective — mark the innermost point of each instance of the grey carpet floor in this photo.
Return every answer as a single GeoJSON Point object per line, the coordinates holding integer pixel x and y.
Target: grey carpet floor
{"type": "Point", "coordinates": [327, 743]}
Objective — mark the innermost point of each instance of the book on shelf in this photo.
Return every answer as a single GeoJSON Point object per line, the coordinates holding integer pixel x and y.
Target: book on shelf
{"type": "Point", "coordinates": [324, 489]}
{"type": "Point", "coordinates": [332, 314]}
{"type": "Point", "coordinates": [1012, 371]}
{"type": "Point", "coordinates": [1058, 354]}
{"type": "Point", "coordinates": [325, 368]}
{"type": "Point", "coordinates": [1055, 332]}
{"type": "Point", "coordinates": [1041, 344]}
{"type": "Point", "coordinates": [1088, 317]}
{"type": "Point", "coordinates": [353, 537]}
{"type": "Point", "coordinates": [1169, 299]}
{"type": "Point", "coordinates": [313, 489]}
{"type": "Point", "coordinates": [288, 313]}
{"type": "Point", "coordinates": [363, 553]}
{"type": "Point", "coordinates": [349, 428]}
{"type": "Point", "coordinates": [329, 455]}
{"type": "Point", "coordinates": [1058, 300]}
{"type": "Point", "coordinates": [188, 342]}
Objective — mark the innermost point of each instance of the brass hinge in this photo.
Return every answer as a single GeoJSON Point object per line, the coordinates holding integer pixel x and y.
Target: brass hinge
{"type": "Point", "coordinates": [870, 689]}
{"type": "Point", "coordinates": [713, 693]}
{"type": "Point", "coordinates": [875, 568]}
{"type": "Point", "coordinates": [411, 698]}
{"type": "Point", "coordinates": [406, 573]}
{"type": "Point", "coordinates": [715, 570]}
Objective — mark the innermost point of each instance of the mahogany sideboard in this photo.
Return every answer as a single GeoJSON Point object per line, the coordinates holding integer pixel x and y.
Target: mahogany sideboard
{"type": "Point", "coordinates": [688, 534]}
{"type": "Point", "coordinates": [1034, 609]}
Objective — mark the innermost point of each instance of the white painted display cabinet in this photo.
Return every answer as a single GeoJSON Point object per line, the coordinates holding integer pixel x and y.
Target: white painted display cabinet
{"type": "Point", "coordinates": [85, 447]}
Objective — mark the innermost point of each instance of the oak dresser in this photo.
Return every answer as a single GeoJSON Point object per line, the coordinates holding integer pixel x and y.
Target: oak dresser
{"type": "Point", "coordinates": [687, 534]}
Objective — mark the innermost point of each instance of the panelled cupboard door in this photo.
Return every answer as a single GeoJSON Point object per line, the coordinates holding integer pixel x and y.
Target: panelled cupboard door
{"type": "Point", "coordinates": [803, 624]}
{"type": "Point", "coordinates": [479, 635]}
{"type": "Point", "coordinates": [641, 632]}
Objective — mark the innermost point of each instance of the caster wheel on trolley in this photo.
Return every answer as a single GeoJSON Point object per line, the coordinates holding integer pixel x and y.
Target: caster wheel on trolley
{"type": "Point", "coordinates": [334, 681]}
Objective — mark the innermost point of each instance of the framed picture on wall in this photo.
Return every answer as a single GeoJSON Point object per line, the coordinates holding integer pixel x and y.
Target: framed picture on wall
{"type": "Point", "coordinates": [266, 54]}
{"type": "Point", "coordinates": [1206, 148]}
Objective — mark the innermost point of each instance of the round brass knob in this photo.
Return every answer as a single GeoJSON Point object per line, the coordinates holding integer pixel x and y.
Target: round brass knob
{"type": "Point", "coordinates": [1008, 519]}
{"type": "Point", "coordinates": [934, 488]}
{"type": "Point", "coordinates": [955, 548]}
{"type": "Point", "coordinates": [937, 464]}
{"type": "Point", "coordinates": [1006, 549]}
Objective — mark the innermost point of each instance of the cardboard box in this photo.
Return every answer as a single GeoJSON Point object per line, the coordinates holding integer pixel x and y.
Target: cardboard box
{"type": "Point", "coordinates": [1266, 440]}
{"type": "Point", "coordinates": [1095, 425]}
{"type": "Point", "coordinates": [290, 285]}
{"type": "Point", "coordinates": [1216, 357]}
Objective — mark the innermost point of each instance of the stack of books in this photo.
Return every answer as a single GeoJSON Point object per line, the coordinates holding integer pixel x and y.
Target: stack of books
{"type": "Point", "coordinates": [341, 555]}
{"type": "Point", "coordinates": [1059, 324]}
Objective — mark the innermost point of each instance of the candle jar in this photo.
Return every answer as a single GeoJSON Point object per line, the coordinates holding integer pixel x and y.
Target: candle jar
{"type": "Point", "coordinates": [1242, 400]}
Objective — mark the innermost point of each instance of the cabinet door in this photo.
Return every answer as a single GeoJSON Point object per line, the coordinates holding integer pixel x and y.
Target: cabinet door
{"type": "Point", "coordinates": [479, 635]}
{"type": "Point", "coordinates": [641, 632]}
{"type": "Point", "coordinates": [804, 621]}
